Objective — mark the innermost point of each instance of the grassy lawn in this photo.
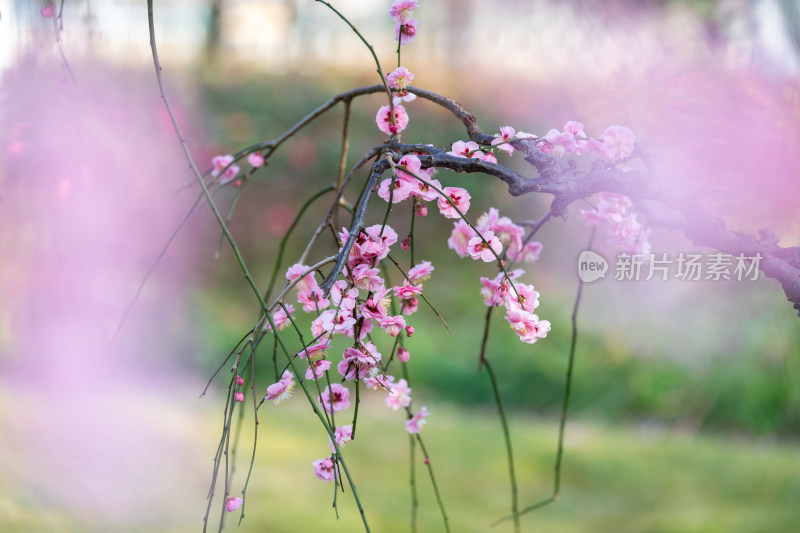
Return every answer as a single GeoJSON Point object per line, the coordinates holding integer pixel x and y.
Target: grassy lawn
{"type": "Point", "coordinates": [151, 465]}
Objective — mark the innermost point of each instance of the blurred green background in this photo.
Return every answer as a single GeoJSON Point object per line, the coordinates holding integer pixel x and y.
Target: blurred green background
{"type": "Point", "coordinates": [685, 408]}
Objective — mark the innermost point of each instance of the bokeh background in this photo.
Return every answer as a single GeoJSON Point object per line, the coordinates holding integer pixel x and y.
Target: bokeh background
{"type": "Point", "coordinates": [685, 412]}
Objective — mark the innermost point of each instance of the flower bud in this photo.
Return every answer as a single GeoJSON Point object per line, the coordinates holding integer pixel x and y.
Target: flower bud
{"type": "Point", "coordinates": [409, 331]}
{"type": "Point", "coordinates": [239, 397]}
{"type": "Point", "coordinates": [402, 354]}
{"type": "Point", "coordinates": [239, 380]}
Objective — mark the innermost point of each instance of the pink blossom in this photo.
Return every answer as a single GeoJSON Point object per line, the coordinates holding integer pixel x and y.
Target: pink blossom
{"type": "Point", "coordinates": [343, 298]}
{"type": "Point", "coordinates": [527, 325]}
{"type": "Point", "coordinates": [221, 161]}
{"type": "Point", "coordinates": [232, 503]}
{"type": "Point", "coordinates": [279, 391]}
{"type": "Point", "coordinates": [489, 157]}
{"type": "Point", "coordinates": [399, 78]}
{"type": "Point", "coordinates": [256, 160]}
{"type": "Point", "coordinates": [395, 189]}
{"type": "Point", "coordinates": [410, 306]}
{"type": "Point", "coordinates": [482, 248]}
{"type": "Point", "coordinates": [377, 304]}
{"type": "Point", "coordinates": [491, 291]}
{"type": "Point", "coordinates": [403, 96]}
{"type": "Point", "coordinates": [325, 469]}
{"type": "Point", "coordinates": [403, 10]}
{"type": "Point", "coordinates": [618, 142]}
{"type": "Point", "coordinates": [239, 380]}
{"type": "Point", "coordinates": [383, 120]}
{"type": "Point", "coordinates": [48, 11]}
{"type": "Point", "coordinates": [415, 423]}
{"type": "Point", "coordinates": [359, 362]}
{"type": "Point", "coordinates": [576, 129]}
{"type": "Point", "coordinates": [525, 298]}
{"type": "Point", "coordinates": [379, 381]}
{"type": "Point", "coordinates": [425, 190]}
{"type": "Point", "coordinates": [460, 237]}
{"type": "Point", "coordinates": [366, 327]}
{"type": "Point", "coordinates": [280, 318]}
{"type": "Point", "coordinates": [370, 244]}
{"type": "Point", "coordinates": [402, 354]}
{"type": "Point", "coordinates": [420, 272]}
{"type": "Point", "coordinates": [405, 244]}
{"type": "Point", "coordinates": [335, 397]}
{"type": "Point", "coordinates": [405, 31]}
{"type": "Point", "coordinates": [313, 300]}
{"type": "Point", "coordinates": [238, 396]}
{"type": "Point", "coordinates": [406, 290]}
{"type": "Point", "coordinates": [343, 436]}
{"type": "Point", "coordinates": [502, 140]}
{"type": "Point", "coordinates": [558, 143]}
{"type": "Point", "coordinates": [459, 201]}
{"type": "Point", "coordinates": [295, 271]}
{"type": "Point", "coordinates": [336, 321]}
{"type": "Point", "coordinates": [529, 253]}
{"type": "Point", "coordinates": [409, 331]}
{"type": "Point", "coordinates": [466, 149]}
{"type": "Point", "coordinates": [315, 351]}
{"type": "Point", "coordinates": [317, 368]}
{"type": "Point", "coordinates": [411, 163]}
{"type": "Point", "coordinates": [399, 395]}
{"type": "Point", "coordinates": [367, 278]}
{"type": "Point", "coordinates": [392, 324]}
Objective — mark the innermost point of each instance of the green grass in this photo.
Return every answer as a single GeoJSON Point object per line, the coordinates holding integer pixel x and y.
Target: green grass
{"type": "Point", "coordinates": [615, 478]}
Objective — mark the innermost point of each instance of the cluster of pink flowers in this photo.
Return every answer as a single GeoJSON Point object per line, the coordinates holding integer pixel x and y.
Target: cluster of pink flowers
{"type": "Point", "coordinates": [405, 27]}
{"type": "Point", "coordinates": [220, 162]}
{"type": "Point", "coordinates": [626, 232]}
{"type": "Point", "coordinates": [496, 232]}
{"type": "Point", "coordinates": [615, 144]}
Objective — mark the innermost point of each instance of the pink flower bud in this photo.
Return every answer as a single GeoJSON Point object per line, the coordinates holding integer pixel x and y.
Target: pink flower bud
{"type": "Point", "coordinates": [409, 331]}
{"type": "Point", "coordinates": [255, 159]}
{"type": "Point", "coordinates": [402, 354]}
{"type": "Point", "coordinates": [48, 11]}
{"type": "Point", "coordinates": [232, 503]}
{"type": "Point", "coordinates": [405, 244]}
{"type": "Point", "coordinates": [239, 397]}
{"type": "Point", "coordinates": [239, 380]}
{"type": "Point", "coordinates": [427, 461]}
{"type": "Point", "coordinates": [421, 209]}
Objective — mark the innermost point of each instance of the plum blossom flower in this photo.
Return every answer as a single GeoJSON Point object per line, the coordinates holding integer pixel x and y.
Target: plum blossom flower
{"type": "Point", "coordinates": [502, 140]}
{"type": "Point", "coordinates": [379, 381]}
{"type": "Point", "coordinates": [232, 503]}
{"type": "Point", "coordinates": [415, 423]}
{"type": "Point", "coordinates": [335, 321]}
{"type": "Point", "coordinates": [466, 149]}
{"type": "Point", "coordinates": [420, 272]}
{"type": "Point", "coordinates": [313, 300]}
{"type": "Point", "coordinates": [460, 237]}
{"type": "Point", "coordinates": [221, 161]}
{"type": "Point", "coordinates": [529, 253]}
{"type": "Point", "coordinates": [48, 11]}
{"type": "Point", "coordinates": [406, 31]}
{"type": "Point", "coordinates": [403, 10]}
{"type": "Point", "coordinates": [384, 122]}
{"type": "Point", "coordinates": [395, 189]}
{"type": "Point", "coordinates": [399, 79]}
{"type": "Point", "coordinates": [576, 129]}
{"type": "Point", "coordinates": [482, 248]}
{"type": "Point", "coordinates": [459, 201]}
{"type": "Point", "coordinates": [425, 191]}
{"type": "Point", "coordinates": [325, 469]}
{"type": "Point", "coordinates": [527, 325]}
{"type": "Point", "coordinates": [406, 290]}
{"type": "Point", "coordinates": [239, 380]}
{"type": "Point", "coordinates": [618, 142]}
{"type": "Point", "coordinates": [402, 354]}
{"type": "Point", "coordinates": [256, 160]}
{"type": "Point", "coordinates": [421, 209]}
{"type": "Point", "coordinates": [410, 307]}
{"type": "Point", "coordinates": [315, 351]}
{"type": "Point", "coordinates": [317, 369]}
{"type": "Point", "coordinates": [399, 395]}
{"type": "Point", "coordinates": [359, 362]}
{"type": "Point", "coordinates": [281, 390]}
{"type": "Point", "coordinates": [525, 298]}
{"type": "Point", "coordinates": [367, 278]}
{"type": "Point", "coordinates": [280, 318]}
{"type": "Point", "coordinates": [335, 397]}
{"type": "Point", "coordinates": [392, 324]}
{"type": "Point", "coordinates": [489, 157]}
{"type": "Point", "coordinates": [343, 436]}
{"type": "Point", "coordinates": [238, 396]}
{"type": "Point", "coordinates": [558, 143]}
{"type": "Point", "coordinates": [295, 271]}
